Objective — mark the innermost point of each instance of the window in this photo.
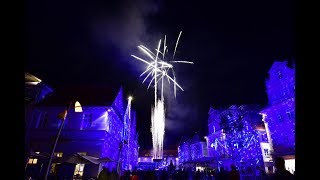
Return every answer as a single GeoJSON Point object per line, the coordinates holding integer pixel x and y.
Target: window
{"type": "Point", "coordinates": [43, 120]}
{"type": "Point", "coordinates": [55, 168]}
{"type": "Point", "coordinates": [279, 75]}
{"type": "Point", "coordinates": [290, 115]}
{"type": "Point", "coordinates": [266, 152]}
{"type": "Point", "coordinates": [264, 137]}
{"type": "Point", "coordinates": [32, 161]}
{"type": "Point", "coordinates": [86, 121]}
{"type": "Point", "coordinates": [294, 88]}
{"type": "Point", "coordinates": [78, 171]}
{"type": "Point", "coordinates": [58, 154]}
{"type": "Point", "coordinates": [279, 118]}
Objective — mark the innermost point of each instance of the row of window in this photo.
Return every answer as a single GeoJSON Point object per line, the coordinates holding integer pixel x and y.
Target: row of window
{"type": "Point", "coordinates": [290, 115]}
{"type": "Point", "coordinates": [281, 94]}
{"type": "Point", "coordinates": [54, 166]}
{"type": "Point", "coordinates": [35, 160]}
{"type": "Point", "coordinates": [87, 122]}
{"type": "Point", "coordinates": [44, 120]}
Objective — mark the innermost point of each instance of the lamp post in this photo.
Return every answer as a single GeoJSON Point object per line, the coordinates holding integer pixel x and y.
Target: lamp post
{"type": "Point", "coordinates": [61, 116]}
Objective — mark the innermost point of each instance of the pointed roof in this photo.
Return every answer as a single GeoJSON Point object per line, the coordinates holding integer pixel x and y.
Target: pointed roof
{"type": "Point", "coordinates": [277, 64]}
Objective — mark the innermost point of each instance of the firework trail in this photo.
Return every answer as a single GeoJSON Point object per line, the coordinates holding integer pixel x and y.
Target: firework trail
{"type": "Point", "coordinates": [159, 69]}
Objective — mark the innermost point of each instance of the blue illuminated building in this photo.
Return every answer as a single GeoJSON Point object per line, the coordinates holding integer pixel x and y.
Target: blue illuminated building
{"type": "Point", "coordinates": [250, 136]}
{"type": "Point", "coordinates": [192, 150]}
{"type": "Point", "coordinates": [279, 114]}
{"type": "Point", "coordinates": [234, 137]}
{"type": "Point", "coordinates": [146, 162]}
{"type": "Point", "coordinates": [99, 130]}
{"type": "Point", "coordinates": [35, 92]}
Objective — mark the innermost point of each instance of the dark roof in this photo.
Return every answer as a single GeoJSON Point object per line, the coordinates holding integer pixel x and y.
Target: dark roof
{"type": "Point", "coordinates": [86, 95]}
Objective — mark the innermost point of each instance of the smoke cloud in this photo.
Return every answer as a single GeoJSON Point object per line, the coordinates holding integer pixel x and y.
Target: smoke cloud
{"type": "Point", "coordinates": [123, 23]}
{"type": "Point", "coordinates": [181, 112]}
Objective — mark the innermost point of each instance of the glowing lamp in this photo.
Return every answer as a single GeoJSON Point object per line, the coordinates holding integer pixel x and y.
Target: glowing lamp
{"type": "Point", "coordinates": [77, 107]}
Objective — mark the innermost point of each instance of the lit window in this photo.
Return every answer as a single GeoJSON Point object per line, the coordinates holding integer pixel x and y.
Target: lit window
{"type": "Point", "coordinates": [32, 161]}
{"type": "Point", "coordinates": [78, 171]}
{"type": "Point", "coordinates": [54, 168]}
{"type": "Point", "coordinates": [58, 154]}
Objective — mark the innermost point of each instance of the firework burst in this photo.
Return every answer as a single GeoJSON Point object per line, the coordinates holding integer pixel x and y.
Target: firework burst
{"type": "Point", "coordinates": [159, 69]}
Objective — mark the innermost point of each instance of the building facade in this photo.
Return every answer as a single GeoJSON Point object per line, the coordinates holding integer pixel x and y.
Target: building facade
{"type": "Point", "coordinates": [234, 138]}
{"type": "Point", "coordinates": [146, 160]}
{"type": "Point", "coordinates": [102, 129]}
{"type": "Point", "coordinates": [279, 114]}
{"type": "Point", "coordinates": [192, 150]}
{"type": "Point", "coordinates": [35, 92]}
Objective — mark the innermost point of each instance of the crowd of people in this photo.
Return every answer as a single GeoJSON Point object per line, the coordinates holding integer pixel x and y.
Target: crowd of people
{"type": "Point", "coordinates": [189, 174]}
{"type": "Point", "coordinates": [173, 173]}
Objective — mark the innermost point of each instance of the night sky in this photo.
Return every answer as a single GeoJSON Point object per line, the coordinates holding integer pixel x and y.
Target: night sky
{"type": "Point", "coordinates": [232, 44]}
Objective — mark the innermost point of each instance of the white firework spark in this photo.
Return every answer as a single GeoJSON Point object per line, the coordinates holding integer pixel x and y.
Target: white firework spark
{"type": "Point", "coordinates": [158, 68]}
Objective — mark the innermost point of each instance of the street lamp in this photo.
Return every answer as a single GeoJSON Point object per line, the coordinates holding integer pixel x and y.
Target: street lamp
{"type": "Point", "coordinates": [61, 116]}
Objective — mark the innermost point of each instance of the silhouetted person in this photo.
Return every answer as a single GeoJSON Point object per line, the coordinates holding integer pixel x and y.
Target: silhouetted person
{"type": "Point", "coordinates": [222, 174]}
{"type": "Point", "coordinates": [197, 175]}
{"type": "Point", "coordinates": [104, 174]}
{"type": "Point", "coordinates": [281, 173]}
{"type": "Point", "coordinates": [114, 175]}
{"type": "Point", "coordinates": [234, 173]}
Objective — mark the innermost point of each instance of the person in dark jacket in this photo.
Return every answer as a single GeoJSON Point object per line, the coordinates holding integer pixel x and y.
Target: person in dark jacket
{"type": "Point", "coordinates": [281, 173]}
{"type": "Point", "coordinates": [234, 173]}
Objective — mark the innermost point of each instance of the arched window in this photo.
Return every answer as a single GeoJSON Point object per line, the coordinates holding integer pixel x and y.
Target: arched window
{"type": "Point", "coordinates": [279, 74]}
